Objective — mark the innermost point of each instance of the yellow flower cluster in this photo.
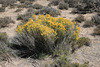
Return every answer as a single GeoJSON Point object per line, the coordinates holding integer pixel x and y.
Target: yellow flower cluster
{"type": "Point", "coordinates": [49, 26]}
{"type": "Point", "coordinates": [76, 32]}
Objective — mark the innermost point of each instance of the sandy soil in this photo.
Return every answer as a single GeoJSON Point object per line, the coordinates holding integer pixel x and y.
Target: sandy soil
{"type": "Point", "coordinates": [20, 62]}
{"type": "Point", "coordinates": [42, 2]}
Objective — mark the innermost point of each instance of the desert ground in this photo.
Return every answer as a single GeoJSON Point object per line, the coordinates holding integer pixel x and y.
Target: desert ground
{"type": "Point", "coordinates": [85, 53]}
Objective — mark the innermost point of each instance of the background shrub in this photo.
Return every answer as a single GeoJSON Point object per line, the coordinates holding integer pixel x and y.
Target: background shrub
{"type": "Point", "coordinates": [89, 6]}
{"type": "Point", "coordinates": [32, 10]}
{"type": "Point", "coordinates": [72, 3]}
{"type": "Point", "coordinates": [6, 3]}
{"type": "Point", "coordinates": [26, 4]}
{"type": "Point", "coordinates": [80, 18]}
{"type": "Point", "coordinates": [22, 1]}
{"type": "Point", "coordinates": [49, 10]}
{"type": "Point", "coordinates": [13, 6]}
{"type": "Point", "coordinates": [88, 23]}
{"type": "Point", "coordinates": [97, 30]}
{"type": "Point", "coordinates": [96, 19]}
{"type": "Point", "coordinates": [74, 11]}
{"type": "Point", "coordinates": [82, 10]}
{"type": "Point", "coordinates": [81, 42]}
{"type": "Point", "coordinates": [5, 21]}
{"type": "Point", "coordinates": [37, 6]}
{"type": "Point", "coordinates": [63, 61]}
{"type": "Point", "coordinates": [63, 5]}
{"type": "Point", "coordinates": [98, 26]}
{"type": "Point", "coordinates": [54, 2]}
{"type": "Point", "coordinates": [27, 15]}
{"type": "Point", "coordinates": [21, 6]}
{"type": "Point", "coordinates": [2, 9]}
{"type": "Point", "coordinates": [83, 6]}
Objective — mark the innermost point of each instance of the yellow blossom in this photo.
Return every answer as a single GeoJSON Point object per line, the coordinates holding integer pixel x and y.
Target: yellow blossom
{"type": "Point", "coordinates": [49, 27]}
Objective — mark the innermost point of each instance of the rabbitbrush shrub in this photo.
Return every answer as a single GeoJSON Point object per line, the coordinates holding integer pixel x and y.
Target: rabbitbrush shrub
{"type": "Point", "coordinates": [27, 15]}
{"type": "Point", "coordinates": [44, 33]}
{"type": "Point", "coordinates": [26, 4]}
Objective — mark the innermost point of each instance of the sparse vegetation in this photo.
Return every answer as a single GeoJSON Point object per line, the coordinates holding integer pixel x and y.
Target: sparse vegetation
{"type": "Point", "coordinates": [63, 61]}
{"type": "Point", "coordinates": [13, 6]}
{"type": "Point", "coordinates": [24, 17]}
{"type": "Point", "coordinates": [4, 50]}
{"type": "Point", "coordinates": [72, 3]}
{"type": "Point", "coordinates": [85, 6]}
{"type": "Point", "coordinates": [22, 1]}
{"type": "Point", "coordinates": [5, 21]}
{"type": "Point", "coordinates": [34, 11]}
{"type": "Point", "coordinates": [62, 53]}
{"type": "Point", "coordinates": [27, 15]}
